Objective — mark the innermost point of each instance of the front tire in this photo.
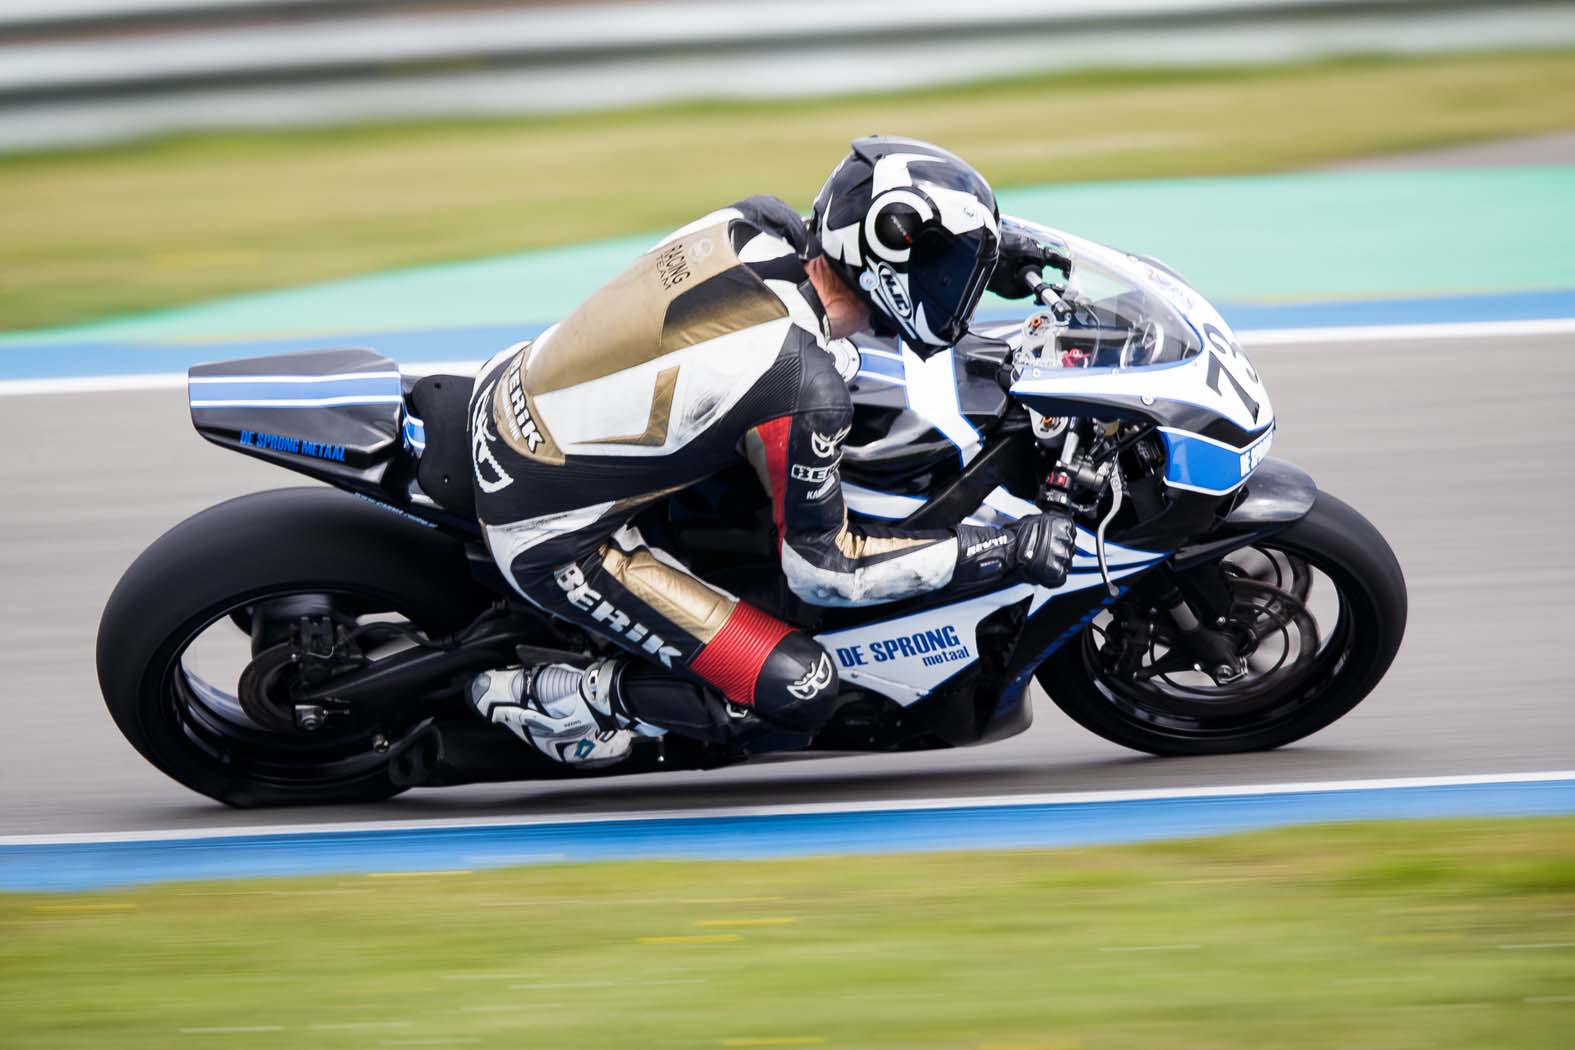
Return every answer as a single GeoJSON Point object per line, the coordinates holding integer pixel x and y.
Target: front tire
{"type": "Point", "coordinates": [210, 569]}
{"type": "Point", "coordinates": [1158, 716]}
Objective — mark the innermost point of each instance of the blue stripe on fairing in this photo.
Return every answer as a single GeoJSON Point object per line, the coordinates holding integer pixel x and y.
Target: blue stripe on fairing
{"type": "Point", "coordinates": [1203, 464]}
{"type": "Point", "coordinates": [880, 365]}
{"type": "Point", "coordinates": [81, 866]}
{"type": "Point", "coordinates": [330, 402]}
{"type": "Point", "coordinates": [243, 389]}
{"type": "Point", "coordinates": [415, 434]}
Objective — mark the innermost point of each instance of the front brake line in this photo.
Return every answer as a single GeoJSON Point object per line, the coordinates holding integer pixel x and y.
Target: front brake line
{"type": "Point", "coordinates": [1116, 490]}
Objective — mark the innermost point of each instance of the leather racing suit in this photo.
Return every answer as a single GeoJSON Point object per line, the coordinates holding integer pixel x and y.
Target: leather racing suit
{"type": "Point", "coordinates": [710, 347]}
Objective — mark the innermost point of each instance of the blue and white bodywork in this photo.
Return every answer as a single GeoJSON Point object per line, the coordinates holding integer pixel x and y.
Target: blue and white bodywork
{"type": "Point", "coordinates": [326, 413]}
{"type": "Point", "coordinates": [907, 657]}
{"type": "Point", "coordinates": [1131, 341]}
{"type": "Point", "coordinates": [1177, 364]}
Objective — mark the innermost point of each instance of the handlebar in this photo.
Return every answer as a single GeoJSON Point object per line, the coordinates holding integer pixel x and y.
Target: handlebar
{"type": "Point", "coordinates": [1045, 293]}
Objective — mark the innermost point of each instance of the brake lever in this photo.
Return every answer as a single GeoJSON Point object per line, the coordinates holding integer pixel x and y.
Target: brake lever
{"type": "Point", "coordinates": [1107, 475]}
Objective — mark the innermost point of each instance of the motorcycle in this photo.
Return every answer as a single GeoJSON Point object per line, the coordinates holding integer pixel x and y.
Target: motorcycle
{"type": "Point", "coordinates": [313, 644]}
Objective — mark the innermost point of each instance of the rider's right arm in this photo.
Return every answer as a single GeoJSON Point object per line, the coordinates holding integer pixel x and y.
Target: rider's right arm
{"type": "Point", "coordinates": [826, 559]}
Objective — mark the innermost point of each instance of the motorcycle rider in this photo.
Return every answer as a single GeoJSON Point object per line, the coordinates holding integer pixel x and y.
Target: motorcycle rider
{"type": "Point", "coordinates": [720, 342]}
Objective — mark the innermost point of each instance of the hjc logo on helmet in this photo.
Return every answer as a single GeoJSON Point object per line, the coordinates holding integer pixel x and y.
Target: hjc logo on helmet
{"type": "Point", "coordinates": [893, 290]}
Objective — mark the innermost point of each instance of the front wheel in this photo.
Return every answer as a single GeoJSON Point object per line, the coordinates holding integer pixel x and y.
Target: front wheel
{"type": "Point", "coordinates": [1317, 613]}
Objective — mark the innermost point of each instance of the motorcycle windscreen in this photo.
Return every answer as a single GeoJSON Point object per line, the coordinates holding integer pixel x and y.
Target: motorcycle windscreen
{"type": "Point", "coordinates": [320, 412]}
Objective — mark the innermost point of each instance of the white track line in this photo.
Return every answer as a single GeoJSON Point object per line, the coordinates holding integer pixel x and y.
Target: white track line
{"type": "Point", "coordinates": [1402, 332]}
{"type": "Point", "coordinates": [798, 809]}
{"type": "Point", "coordinates": [91, 384]}
{"type": "Point", "coordinates": [1251, 337]}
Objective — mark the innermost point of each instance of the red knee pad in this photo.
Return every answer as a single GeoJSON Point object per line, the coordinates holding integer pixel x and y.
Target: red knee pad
{"type": "Point", "coordinates": [732, 660]}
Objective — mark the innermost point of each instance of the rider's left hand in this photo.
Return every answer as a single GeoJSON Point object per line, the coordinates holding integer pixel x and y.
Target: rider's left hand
{"type": "Point", "coordinates": [1019, 253]}
{"type": "Point", "coordinates": [1043, 548]}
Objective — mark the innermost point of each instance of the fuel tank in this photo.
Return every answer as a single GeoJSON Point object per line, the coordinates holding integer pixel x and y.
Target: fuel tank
{"type": "Point", "coordinates": [916, 422]}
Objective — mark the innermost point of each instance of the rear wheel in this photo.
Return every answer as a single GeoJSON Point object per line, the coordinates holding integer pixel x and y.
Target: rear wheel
{"type": "Point", "coordinates": [1316, 614]}
{"type": "Point", "coordinates": [194, 647]}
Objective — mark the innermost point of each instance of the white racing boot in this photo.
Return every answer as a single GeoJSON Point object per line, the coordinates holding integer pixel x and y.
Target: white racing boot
{"type": "Point", "coordinates": [564, 712]}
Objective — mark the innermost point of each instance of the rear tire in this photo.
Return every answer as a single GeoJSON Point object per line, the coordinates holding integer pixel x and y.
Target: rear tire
{"type": "Point", "coordinates": [1338, 542]}
{"type": "Point", "coordinates": [304, 540]}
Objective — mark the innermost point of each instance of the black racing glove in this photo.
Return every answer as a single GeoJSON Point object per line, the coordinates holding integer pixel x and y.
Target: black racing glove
{"type": "Point", "coordinates": [1019, 253]}
{"type": "Point", "coordinates": [984, 554]}
{"type": "Point", "coordinates": [1043, 547]}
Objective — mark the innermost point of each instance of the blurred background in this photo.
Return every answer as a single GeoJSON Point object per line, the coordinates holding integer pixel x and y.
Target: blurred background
{"type": "Point", "coordinates": [1379, 196]}
{"type": "Point", "coordinates": [159, 152]}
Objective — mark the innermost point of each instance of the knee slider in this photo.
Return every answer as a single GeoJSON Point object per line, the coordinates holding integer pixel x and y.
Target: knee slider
{"type": "Point", "coordinates": [797, 687]}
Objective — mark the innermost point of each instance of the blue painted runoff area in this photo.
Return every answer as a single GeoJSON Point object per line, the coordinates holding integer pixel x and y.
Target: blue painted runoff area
{"type": "Point", "coordinates": [86, 360]}
{"type": "Point", "coordinates": [94, 865]}
{"type": "Point", "coordinates": [478, 342]}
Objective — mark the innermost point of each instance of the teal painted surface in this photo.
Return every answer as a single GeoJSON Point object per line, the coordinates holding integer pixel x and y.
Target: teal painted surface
{"type": "Point", "coordinates": [1334, 235]}
{"type": "Point", "coordinates": [530, 286]}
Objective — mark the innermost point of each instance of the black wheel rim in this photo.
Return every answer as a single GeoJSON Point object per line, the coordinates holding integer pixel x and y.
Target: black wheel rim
{"type": "Point", "coordinates": [204, 706]}
{"type": "Point", "coordinates": [1292, 614]}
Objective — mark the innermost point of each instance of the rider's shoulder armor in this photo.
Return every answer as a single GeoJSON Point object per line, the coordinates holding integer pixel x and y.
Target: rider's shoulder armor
{"type": "Point", "coordinates": [682, 307]}
{"type": "Point", "coordinates": [775, 216]}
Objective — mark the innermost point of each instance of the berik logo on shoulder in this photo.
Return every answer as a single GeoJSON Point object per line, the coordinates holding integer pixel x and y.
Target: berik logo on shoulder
{"type": "Point", "coordinates": [525, 428]}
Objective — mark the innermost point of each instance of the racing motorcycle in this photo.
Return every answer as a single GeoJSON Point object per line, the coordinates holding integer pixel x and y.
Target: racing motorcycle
{"type": "Point", "coordinates": [313, 644]}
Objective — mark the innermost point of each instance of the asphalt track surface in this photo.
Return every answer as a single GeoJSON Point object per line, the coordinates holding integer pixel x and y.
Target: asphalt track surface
{"type": "Point", "coordinates": [1459, 449]}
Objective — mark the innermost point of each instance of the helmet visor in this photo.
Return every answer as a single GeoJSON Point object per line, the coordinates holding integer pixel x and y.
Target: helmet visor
{"type": "Point", "coordinates": [947, 274]}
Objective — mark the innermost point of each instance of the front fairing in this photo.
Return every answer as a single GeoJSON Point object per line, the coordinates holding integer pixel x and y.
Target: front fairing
{"type": "Point", "coordinates": [1148, 347]}
{"type": "Point", "coordinates": [1151, 349]}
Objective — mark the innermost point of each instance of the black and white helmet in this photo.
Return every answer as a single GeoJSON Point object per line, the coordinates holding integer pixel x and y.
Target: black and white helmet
{"type": "Point", "coordinates": [915, 231]}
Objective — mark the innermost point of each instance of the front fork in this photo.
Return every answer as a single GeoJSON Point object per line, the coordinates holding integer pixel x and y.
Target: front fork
{"type": "Point", "coordinates": [1197, 601]}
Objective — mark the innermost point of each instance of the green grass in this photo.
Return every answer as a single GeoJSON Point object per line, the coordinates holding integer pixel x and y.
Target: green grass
{"type": "Point", "coordinates": [99, 232]}
{"type": "Point", "coordinates": [1439, 935]}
